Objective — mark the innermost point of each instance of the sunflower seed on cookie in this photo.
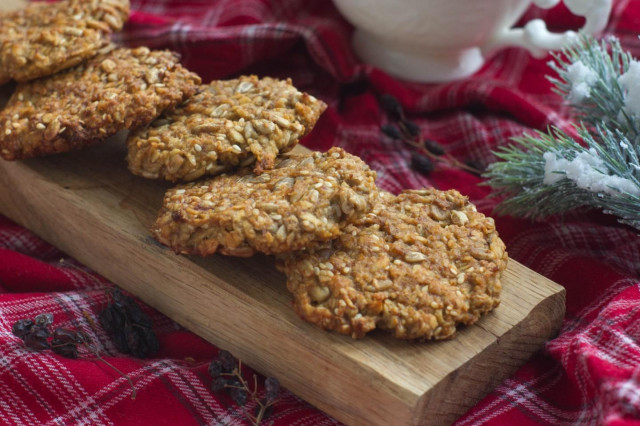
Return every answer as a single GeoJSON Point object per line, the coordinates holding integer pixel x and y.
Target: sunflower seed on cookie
{"type": "Point", "coordinates": [45, 38]}
{"type": "Point", "coordinates": [116, 90]}
{"type": "Point", "coordinates": [226, 124]}
{"type": "Point", "coordinates": [417, 266]}
{"type": "Point", "coordinates": [304, 199]}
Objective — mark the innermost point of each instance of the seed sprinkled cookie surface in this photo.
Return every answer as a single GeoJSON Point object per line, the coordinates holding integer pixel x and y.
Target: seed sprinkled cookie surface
{"type": "Point", "coordinates": [228, 123]}
{"type": "Point", "coordinates": [116, 90]}
{"type": "Point", "coordinates": [44, 38]}
{"type": "Point", "coordinates": [304, 199]}
{"type": "Point", "coordinates": [416, 266]}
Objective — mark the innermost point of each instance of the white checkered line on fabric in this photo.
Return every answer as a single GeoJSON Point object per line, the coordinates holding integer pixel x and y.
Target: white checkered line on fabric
{"type": "Point", "coordinates": [602, 338]}
{"type": "Point", "coordinates": [391, 167]}
{"type": "Point", "coordinates": [629, 393]}
{"type": "Point", "coordinates": [525, 394]}
{"type": "Point", "coordinates": [116, 390]}
{"type": "Point", "coordinates": [12, 408]}
{"type": "Point", "coordinates": [199, 398]}
{"type": "Point", "coordinates": [53, 374]}
{"type": "Point", "coordinates": [608, 244]}
{"type": "Point", "coordinates": [45, 369]}
{"type": "Point", "coordinates": [21, 241]}
{"type": "Point", "coordinates": [296, 412]}
{"type": "Point", "coordinates": [577, 324]}
{"type": "Point", "coordinates": [27, 307]}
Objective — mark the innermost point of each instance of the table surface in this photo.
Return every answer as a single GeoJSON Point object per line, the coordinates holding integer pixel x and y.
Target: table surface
{"type": "Point", "coordinates": [588, 374]}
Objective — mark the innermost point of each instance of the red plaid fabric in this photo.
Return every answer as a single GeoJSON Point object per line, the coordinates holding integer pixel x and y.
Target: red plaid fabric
{"type": "Point", "coordinates": [589, 374]}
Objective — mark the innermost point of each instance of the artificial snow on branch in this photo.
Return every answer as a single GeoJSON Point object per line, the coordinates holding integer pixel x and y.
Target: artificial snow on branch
{"type": "Point", "coordinates": [548, 173]}
{"type": "Point", "coordinates": [601, 82]}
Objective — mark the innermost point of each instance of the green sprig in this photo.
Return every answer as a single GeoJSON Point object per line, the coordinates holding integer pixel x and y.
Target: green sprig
{"type": "Point", "coordinates": [606, 100]}
{"type": "Point", "coordinates": [519, 177]}
{"type": "Point", "coordinates": [606, 131]}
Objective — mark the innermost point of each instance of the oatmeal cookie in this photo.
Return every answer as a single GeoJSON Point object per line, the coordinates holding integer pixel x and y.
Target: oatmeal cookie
{"type": "Point", "coordinates": [118, 89]}
{"type": "Point", "coordinates": [305, 198]}
{"type": "Point", "coordinates": [45, 38]}
{"type": "Point", "coordinates": [416, 266]}
{"type": "Point", "coordinates": [228, 123]}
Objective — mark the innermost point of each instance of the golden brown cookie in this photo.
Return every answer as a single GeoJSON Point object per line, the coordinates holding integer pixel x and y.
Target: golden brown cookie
{"type": "Point", "coordinates": [116, 90]}
{"type": "Point", "coordinates": [304, 199]}
{"type": "Point", "coordinates": [228, 123]}
{"type": "Point", "coordinates": [45, 38]}
{"type": "Point", "coordinates": [416, 266]}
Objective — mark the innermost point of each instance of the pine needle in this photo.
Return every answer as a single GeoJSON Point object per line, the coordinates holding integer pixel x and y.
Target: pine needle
{"type": "Point", "coordinates": [608, 134]}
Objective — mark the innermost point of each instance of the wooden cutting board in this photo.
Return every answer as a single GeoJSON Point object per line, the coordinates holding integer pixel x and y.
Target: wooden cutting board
{"type": "Point", "coordinates": [87, 204]}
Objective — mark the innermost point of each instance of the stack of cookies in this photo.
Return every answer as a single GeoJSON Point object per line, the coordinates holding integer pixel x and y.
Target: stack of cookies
{"type": "Point", "coordinates": [75, 87]}
{"type": "Point", "coordinates": [356, 258]}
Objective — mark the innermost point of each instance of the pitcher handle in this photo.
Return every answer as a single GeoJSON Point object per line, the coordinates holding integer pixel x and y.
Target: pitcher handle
{"type": "Point", "coordinates": [535, 36]}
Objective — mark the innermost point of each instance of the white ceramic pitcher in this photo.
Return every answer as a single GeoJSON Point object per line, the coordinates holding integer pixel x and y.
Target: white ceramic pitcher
{"type": "Point", "coordinates": [444, 40]}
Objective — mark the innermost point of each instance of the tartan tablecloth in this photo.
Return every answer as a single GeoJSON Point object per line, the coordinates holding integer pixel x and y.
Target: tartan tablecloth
{"type": "Point", "coordinates": [589, 374]}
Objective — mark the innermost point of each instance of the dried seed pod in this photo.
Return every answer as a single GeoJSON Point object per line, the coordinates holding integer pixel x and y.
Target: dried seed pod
{"type": "Point", "coordinates": [44, 320]}
{"type": "Point", "coordinates": [434, 147]}
{"type": "Point", "coordinates": [130, 328]}
{"type": "Point", "coordinates": [392, 131]}
{"type": "Point", "coordinates": [37, 339]}
{"type": "Point", "coordinates": [132, 338]}
{"type": "Point", "coordinates": [64, 348]}
{"type": "Point", "coordinates": [477, 166]}
{"type": "Point", "coordinates": [272, 388]}
{"type": "Point", "coordinates": [65, 335]}
{"type": "Point", "coordinates": [266, 411]}
{"type": "Point", "coordinates": [228, 361]}
{"type": "Point", "coordinates": [120, 341]}
{"type": "Point", "coordinates": [215, 368]}
{"type": "Point", "coordinates": [22, 327]}
{"type": "Point", "coordinates": [218, 384]}
{"type": "Point", "coordinates": [152, 344]}
{"type": "Point", "coordinates": [111, 319]}
{"type": "Point", "coordinates": [421, 163]}
{"type": "Point", "coordinates": [411, 128]}
{"type": "Point", "coordinates": [391, 106]}
{"type": "Point", "coordinates": [237, 393]}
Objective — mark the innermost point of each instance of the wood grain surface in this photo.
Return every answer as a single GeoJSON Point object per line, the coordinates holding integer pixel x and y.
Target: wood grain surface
{"type": "Point", "coordinates": [11, 4]}
{"type": "Point", "coordinates": [87, 204]}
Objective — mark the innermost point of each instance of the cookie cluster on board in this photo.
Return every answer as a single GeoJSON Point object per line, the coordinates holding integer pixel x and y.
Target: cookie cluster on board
{"type": "Point", "coordinates": [417, 265]}
{"type": "Point", "coordinates": [45, 38]}
{"type": "Point", "coordinates": [226, 124]}
{"type": "Point", "coordinates": [304, 199]}
{"type": "Point", "coordinates": [356, 258]}
{"type": "Point", "coordinates": [75, 87]}
{"type": "Point", "coordinates": [115, 90]}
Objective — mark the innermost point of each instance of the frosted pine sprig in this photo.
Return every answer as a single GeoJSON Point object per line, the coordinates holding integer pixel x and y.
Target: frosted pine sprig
{"type": "Point", "coordinates": [548, 173]}
{"type": "Point", "coordinates": [601, 82]}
